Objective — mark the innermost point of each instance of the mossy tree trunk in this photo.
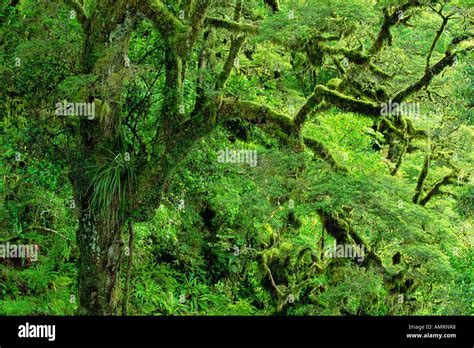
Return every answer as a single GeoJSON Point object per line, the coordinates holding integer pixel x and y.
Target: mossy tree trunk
{"type": "Point", "coordinates": [99, 238]}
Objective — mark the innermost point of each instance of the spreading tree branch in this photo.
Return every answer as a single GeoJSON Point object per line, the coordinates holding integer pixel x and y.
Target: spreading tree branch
{"type": "Point", "coordinates": [430, 73]}
{"type": "Point", "coordinates": [347, 103]}
{"type": "Point", "coordinates": [231, 25]}
{"type": "Point", "coordinates": [435, 190]}
{"type": "Point", "coordinates": [437, 36]}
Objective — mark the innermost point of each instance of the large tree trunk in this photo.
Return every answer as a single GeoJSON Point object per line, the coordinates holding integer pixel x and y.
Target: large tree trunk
{"type": "Point", "coordinates": [101, 253]}
{"type": "Point", "coordinates": [99, 237]}
{"type": "Point", "coordinates": [99, 234]}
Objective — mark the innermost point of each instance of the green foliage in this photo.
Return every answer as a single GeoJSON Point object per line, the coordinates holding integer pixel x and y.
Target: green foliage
{"type": "Point", "coordinates": [227, 237]}
{"type": "Point", "coordinates": [110, 185]}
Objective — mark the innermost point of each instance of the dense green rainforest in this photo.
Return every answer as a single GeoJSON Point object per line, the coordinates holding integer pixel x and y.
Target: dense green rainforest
{"type": "Point", "coordinates": [236, 157]}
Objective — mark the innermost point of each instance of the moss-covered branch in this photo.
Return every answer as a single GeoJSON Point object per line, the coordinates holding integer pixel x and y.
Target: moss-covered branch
{"type": "Point", "coordinates": [197, 15]}
{"type": "Point", "coordinates": [231, 25]}
{"type": "Point", "coordinates": [162, 18]}
{"type": "Point", "coordinates": [347, 103]}
{"type": "Point", "coordinates": [311, 103]}
{"type": "Point", "coordinates": [400, 158]}
{"type": "Point", "coordinates": [435, 190]}
{"type": "Point", "coordinates": [238, 10]}
{"type": "Point", "coordinates": [389, 125]}
{"type": "Point", "coordinates": [340, 228]}
{"type": "Point", "coordinates": [379, 72]}
{"type": "Point", "coordinates": [412, 131]}
{"type": "Point", "coordinates": [390, 19]}
{"type": "Point", "coordinates": [255, 113]}
{"type": "Point", "coordinates": [429, 74]}
{"type": "Point", "coordinates": [272, 280]}
{"type": "Point", "coordinates": [422, 178]}
{"type": "Point", "coordinates": [436, 38]}
{"type": "Point", "coordinates": [262, 115]}
{"type": "Point", "coordinates": [354, 56]}
{"type": "Point", "coordinates": [173, 97]}
{"type": "Point", "coordinates": [235, 46]}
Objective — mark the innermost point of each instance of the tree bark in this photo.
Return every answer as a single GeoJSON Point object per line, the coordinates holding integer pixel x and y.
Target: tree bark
{"type": "Point", "coordinates": [99, 237]}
